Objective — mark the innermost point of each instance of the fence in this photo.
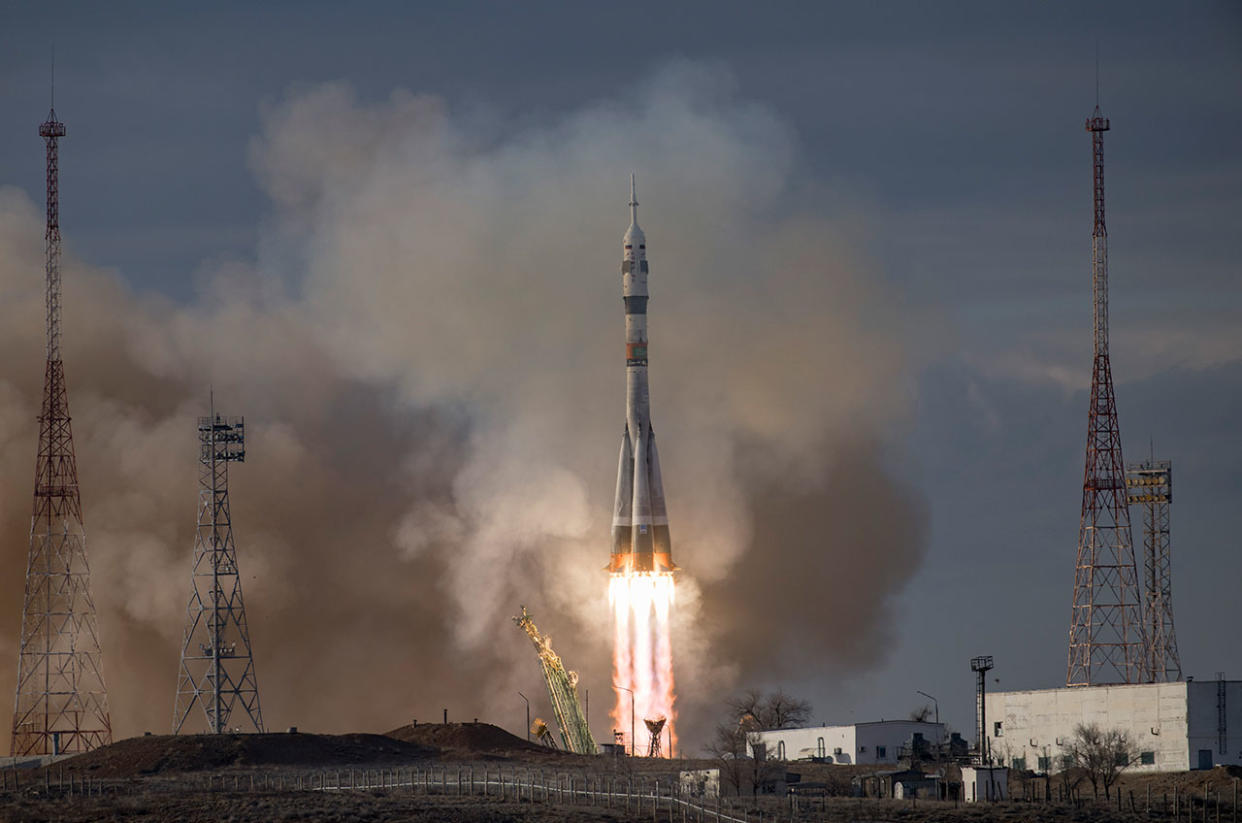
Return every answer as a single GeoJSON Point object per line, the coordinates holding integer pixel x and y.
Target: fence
{"type": "Point", "coordinates": [640, 797]}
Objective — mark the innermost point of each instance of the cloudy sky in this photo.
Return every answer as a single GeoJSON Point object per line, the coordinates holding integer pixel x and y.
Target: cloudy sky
{"type": "Point", "coordinates": [390, 235]}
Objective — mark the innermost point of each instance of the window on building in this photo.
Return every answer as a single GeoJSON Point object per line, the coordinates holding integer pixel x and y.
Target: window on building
{"type": "Point", "coordinates": [1067, 760]}
{"type": "Point", "coordinates": [880, 751]}
{"type": "Point", "coordinates": [997, 729]}
{"type": "Point", "coordinates": [1019, 764]}
{"type": "Point", "coordinates": [1122, 759]}
{"type": "Point", "coordinates": [837, 750]}
{"type": "Point", "coordinates": [1045, 763]}
{"type": "Point", "coordinates": [1147, 758]}
{"type": "Point", "coordinates": [780, 750]}
{"type": "Point", "coordinates": [820, 751]}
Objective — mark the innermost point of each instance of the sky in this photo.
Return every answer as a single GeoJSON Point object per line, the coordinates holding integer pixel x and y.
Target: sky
{"type": "Point", "coordinates": [890, 201]}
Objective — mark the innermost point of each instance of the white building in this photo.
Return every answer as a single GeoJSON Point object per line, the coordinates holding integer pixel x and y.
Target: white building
{"type": "Point", "coordinates": [1174, 726]}
{"type": "Point", "coordinates": [877, 742]}
{"type": "Point", "coordinates": [981, 784]}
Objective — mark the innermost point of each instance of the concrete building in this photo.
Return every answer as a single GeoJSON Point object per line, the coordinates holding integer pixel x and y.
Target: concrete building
{"type": "Point", "coordinates": [877, 742]}
{"type": "Point", "coordinates": [1174, 726]}
{"type": "Point", "coordinates": [982, 784]}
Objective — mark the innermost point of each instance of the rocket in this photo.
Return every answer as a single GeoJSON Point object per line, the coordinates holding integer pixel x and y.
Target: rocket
{"type": "Point", "coordinates": [640, 539]}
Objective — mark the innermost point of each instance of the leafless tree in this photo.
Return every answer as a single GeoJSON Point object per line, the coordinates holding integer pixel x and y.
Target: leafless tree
{"type": "Point", "coordinates": [1101, 753]}
{"type": "Point", "coordinates": [774, 710]}
{"type": "Point", "coordinates": [921, 714]}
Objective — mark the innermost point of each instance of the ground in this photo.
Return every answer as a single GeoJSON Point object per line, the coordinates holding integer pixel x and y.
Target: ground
{"type": "Point", "coordinates": [478, 773]}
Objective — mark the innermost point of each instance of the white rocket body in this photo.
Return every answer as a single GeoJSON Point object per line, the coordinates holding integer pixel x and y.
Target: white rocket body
{"type": "Point", "coordinates": [640, 536]}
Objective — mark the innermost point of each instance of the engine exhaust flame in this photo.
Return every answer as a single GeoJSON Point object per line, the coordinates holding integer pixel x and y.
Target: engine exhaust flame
{"type": "Point", "coordinates": [643, 653]}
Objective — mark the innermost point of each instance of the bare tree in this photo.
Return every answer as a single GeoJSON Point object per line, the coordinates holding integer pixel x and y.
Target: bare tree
{"type": "Point", "coordinates": [775, 710]}
{"type": "Point", "coordinates": [733, 744]}
{"type": "Point", "coordinates": [784, 711]}
{"type": "Point", "coordinates": [1101, 753]}
{"type": "Point", "coordinates": [921, 714]}
{"type": "Point", "coordinates": [728, 748]}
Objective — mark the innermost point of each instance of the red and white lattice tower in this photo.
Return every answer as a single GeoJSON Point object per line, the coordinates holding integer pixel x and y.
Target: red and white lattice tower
{"type": "Point", "coordinates": [1106, 638]}
{"type": "Point", "coordinates": [61, 705]}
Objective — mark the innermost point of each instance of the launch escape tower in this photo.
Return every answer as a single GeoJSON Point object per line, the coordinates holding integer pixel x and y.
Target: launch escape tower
{"type": "Point", "coordinates": [562, 690]}
{"type": "Point", "coordinates": [1150, 485]}
{"type": "Point", "coordinates": [61, 703]}
{"type": "Point", "coordinates": [1106, 638]}
{"type": "Point", "coordinates": [217, 666]}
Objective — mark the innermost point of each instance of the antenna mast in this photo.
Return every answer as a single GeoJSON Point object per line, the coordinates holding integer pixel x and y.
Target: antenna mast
{"type": "Point", "coordinates": [1106, 639]}
{"type": "Point", "coordinates": [217, 665]}
{"type": "Point", "coordinates": [61, 704]}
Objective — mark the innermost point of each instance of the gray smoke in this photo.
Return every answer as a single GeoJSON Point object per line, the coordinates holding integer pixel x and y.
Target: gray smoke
{"type": "Point", "coordinates": [428, 351]}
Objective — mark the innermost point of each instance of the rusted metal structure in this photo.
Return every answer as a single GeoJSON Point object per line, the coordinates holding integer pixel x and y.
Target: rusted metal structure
{"type": "Point", "coordinates": [1150, 485]}
{"type": "Point", "coordinates": [217, 666]}
{"type": "Point", "coordinates": [1106, 638]}
{"type": "Point", "coordinates": [62, 703]}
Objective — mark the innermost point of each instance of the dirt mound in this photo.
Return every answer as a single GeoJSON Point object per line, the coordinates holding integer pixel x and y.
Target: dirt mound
{"type": "Point", "coordinates": [159, 754]}
{"type": "Point", "coordinates": [467, 739]}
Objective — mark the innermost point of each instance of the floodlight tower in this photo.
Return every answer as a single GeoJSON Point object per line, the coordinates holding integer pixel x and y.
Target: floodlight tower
{"type": "Point", "coordinates": [1106, 638]}
{"type": "Point", "coordinates": [1150, 485]}
{"type": "Point", "coordinates": [217, 666]}
{"type": "Point", "coordinates": [981, 666]}
{"type": "Point", "coordinates": [62, 703]}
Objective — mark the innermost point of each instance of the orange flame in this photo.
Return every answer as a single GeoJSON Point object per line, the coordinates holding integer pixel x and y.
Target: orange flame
{"type": "Point", "coordinates": [643, 653]}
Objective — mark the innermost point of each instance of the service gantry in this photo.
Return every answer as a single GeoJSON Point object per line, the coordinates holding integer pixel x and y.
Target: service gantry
{"type": "Point", "coordinates": [1106, 637]}
{"type": "Point", "coordinates": [62, 703]}
{"type": "Point", "coordinates": [562, 690]}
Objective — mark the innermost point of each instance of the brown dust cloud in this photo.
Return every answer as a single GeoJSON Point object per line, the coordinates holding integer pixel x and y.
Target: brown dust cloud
{"type": "Point", "coordinates": [428, 348]}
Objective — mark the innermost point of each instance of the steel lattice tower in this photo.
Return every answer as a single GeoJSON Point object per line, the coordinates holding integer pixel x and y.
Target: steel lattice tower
{"type": "Point", "coordinates": [1106, 638]}
{"type": "Point", "coordinates": [1150, 485]}
{"type": "Point", "coordinates": [217, 666]}
{"type": "Point", "coordinates": [62, 703]}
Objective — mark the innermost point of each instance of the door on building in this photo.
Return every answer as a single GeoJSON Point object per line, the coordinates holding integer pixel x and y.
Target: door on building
{"type": "Point", "coordinates": [1205, 758]}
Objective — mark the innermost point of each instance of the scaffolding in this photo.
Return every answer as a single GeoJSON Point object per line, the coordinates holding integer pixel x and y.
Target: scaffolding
{"type": "Point", "coordinates": [562, 690]}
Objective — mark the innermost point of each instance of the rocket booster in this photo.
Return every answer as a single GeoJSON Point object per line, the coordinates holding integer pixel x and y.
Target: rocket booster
{"type": "Point", "coordinates": [640, 538]}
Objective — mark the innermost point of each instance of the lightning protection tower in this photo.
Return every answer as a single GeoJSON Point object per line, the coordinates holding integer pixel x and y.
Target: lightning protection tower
{"type": "Point", "coordinates": [1150, 485]}
{"type": "Point", "coordinates": [61, 704]}
{"type": "Point", "coordinates": [1106, 638]}
{"type": "Point", "coordinates": [217, 666]}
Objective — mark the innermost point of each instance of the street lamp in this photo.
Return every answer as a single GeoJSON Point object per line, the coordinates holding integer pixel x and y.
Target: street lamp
{"type": "Point", "coordinates": [933, 700]}
{"type": "Point", "coordinates": [527, 716]}
{"type": "Point", "coordinates": [631, 691]}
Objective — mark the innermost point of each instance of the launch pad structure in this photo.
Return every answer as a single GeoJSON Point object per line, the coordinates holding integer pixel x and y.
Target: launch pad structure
{"type": "Point", "coordinates": [61, 705]}
{"type": "Point", "coordinates": [562, 690]}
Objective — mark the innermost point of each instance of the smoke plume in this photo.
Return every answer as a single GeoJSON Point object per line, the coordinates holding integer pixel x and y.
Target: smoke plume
{"type": "Point", "coordinates": [428, 350]}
